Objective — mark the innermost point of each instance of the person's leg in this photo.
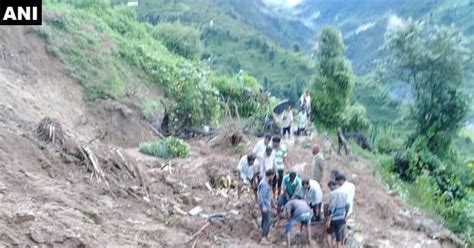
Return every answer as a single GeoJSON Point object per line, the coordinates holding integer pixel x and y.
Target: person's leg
{"type": "Point", "coordinates": [266, 223]}
{"type": "Point", "coordinates": [308, 230]}
{"type": "Point", "coordinates": [280, 181]}
{"type": "Point", "coordinates": [317, 212]}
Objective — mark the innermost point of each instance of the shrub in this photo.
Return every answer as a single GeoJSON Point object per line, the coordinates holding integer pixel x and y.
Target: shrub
{"type": "Point", "coordinates": [386, 140]}
{"type": "Point", "coordinates": [150, 108]}
{"type": "Point", "coordinates": [354, 118]}
{"type": "Point", "coordinates": [180, 39]}
{"type": "Point", "coordinates": [169, 147]}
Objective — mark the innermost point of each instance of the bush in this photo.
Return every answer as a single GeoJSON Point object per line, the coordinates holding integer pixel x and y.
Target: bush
{"type": "Point", "coordinates": [386, 140]}
{"type": "Point", "coordinates": [354, 119]}
{"type": "Point", "coordinates": [182, 40]}
{"type": "Point", "coordinates": [169, 147]}
{"type": "Point", "coordinates": [150, 108]}
{"type": "Point", "coordinates": [242, 101]}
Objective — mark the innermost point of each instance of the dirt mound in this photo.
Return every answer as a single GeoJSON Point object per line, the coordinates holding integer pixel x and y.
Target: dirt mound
{"type": "Point", "coordinates": [118, 123]}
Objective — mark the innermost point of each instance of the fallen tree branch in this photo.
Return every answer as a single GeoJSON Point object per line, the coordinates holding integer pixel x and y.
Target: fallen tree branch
{"type": "Point", "coordinates": [199, 231]}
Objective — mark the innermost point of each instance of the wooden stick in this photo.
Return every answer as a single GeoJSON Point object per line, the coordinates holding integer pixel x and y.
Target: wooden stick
{"type": "Point", "coordinates": [199, 231]}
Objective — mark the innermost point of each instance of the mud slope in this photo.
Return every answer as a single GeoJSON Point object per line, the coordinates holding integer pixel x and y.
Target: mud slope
{"type": "Point", "coordinates": [50, 196]}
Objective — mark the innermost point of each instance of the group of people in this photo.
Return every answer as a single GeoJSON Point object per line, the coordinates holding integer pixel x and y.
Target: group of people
{"type": "Point", "coordinates": [281, 192]}
{"type": "Point", "coordinates": [302, 118]}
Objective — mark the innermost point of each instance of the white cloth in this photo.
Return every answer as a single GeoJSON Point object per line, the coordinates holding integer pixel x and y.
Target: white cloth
{"type": "Point", "coordinates": [319, 193]}
{"type": "Point", "coordinates": [260, 148]}
{"type": "Point", "coordinates": [266, 163]}
{"type": "Point", "coordinates": [286, 118]}
{"type": "Point", "coordinates": [247, 172]}
{"type": "Point", "coordinates": [349, 189]}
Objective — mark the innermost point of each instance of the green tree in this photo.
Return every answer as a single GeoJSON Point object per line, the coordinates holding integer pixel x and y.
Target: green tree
{"type": "Point", "coordinates": [431, 60]}
{"type": "Point", "coordinates": [180, 39]}
{"type": "Point", "coordinates": [332, 86]}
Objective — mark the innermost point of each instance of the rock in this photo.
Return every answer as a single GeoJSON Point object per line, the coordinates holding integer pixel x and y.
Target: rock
{"type": "Point", "coordinates": [234, 212]}
{"type": "Point", "coordinates": [195, 200]}
{"type": "Point", "coordinates": [195, 211]}
{"type": "Point", "coordinates": [26, 216]}
{"type": "Point", "coordinates": [186, 199]}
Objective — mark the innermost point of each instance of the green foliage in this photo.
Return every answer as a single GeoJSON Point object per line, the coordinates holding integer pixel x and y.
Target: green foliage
{"type": "Point", "coordinates": [180, 39]}
{"type": "Point", "coordinates": [107, 48]}
{"type": "Point", "coordinates": [433, 65]}
{"type": "Point", "coordinates": [239, 149]}
{"type": "Point", "coordinates": [150, 108]}
{"type": "Point", "coordinates": [169, 147]}
{"type": "Point", "coordinates": [240, 101]}
{"type": "Point", "coordinates": [332, 85]}
{"type": "Point", "coordinates": [386, 139]}
{"type": "Point", "coordinates": [354, 118]}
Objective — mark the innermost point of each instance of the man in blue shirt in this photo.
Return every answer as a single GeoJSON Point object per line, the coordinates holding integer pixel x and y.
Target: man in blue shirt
{"type": "Point", "coordinates": [264, 203]}
{"type": "Point", "coordinates": [337, 212]}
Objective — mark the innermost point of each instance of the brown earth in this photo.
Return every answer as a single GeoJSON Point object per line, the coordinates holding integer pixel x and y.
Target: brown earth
{"type": "Point", "coordinates": [49, 199]}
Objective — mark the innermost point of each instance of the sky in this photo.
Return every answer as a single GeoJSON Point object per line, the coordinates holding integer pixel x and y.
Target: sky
{"type": "Point", "coordinates": [283, 3]}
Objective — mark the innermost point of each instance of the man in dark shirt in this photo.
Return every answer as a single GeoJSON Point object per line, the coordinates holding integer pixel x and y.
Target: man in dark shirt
{"type": "Point", "coordinates": [298, 211]}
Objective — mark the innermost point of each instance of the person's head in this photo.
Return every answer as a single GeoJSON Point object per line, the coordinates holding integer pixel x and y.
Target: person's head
{"type": "Point", "coordinates": [276, 141]}
{"type": "Point", "coordinates": [268, 151]}
{"type": "Point", "coordinates": [270, 174]}
{"type": "Point", "coordinates": [307, 92]}
{"type": "Point", "coordinates": [288, 108]}
{"type": "Point", "coordinates": [334, 174]}
{"type": "Point", "coordinates": [333, 185]}
{"type": "Point", "coordinates": [305, 183]}
{"type": "Point", "coordinates": [340, 179]}
{"type": "Point", "coordinates": [293, 175]}
{"type": "Point", "coordinates": [267, 138]}
{"type": "Point", "coordinates": [251, 158]}
{"type": "Point", "coordinates": [316, 149]}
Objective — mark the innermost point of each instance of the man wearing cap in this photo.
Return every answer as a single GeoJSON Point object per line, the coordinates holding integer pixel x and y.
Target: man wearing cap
{"type": "Point", "coordinates": [317, 166]}
{"type": "Point", "coordinates": [290, 183]}
{"type": "Point", "coordinates": [248, 171]}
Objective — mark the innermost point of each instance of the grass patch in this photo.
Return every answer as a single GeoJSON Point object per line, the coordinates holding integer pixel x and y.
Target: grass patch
{"type": "Point", "coordinates": [170, 147]}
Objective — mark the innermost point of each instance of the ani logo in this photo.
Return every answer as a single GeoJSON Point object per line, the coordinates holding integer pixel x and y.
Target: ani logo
{"type": "Point", "coordinates": [20, 12]}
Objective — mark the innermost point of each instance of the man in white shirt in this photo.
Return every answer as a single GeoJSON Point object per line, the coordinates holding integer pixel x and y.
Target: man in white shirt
{"type": "Point", "coordinates": [248, 171]}
{"type": "Point", "coordinates": [267, 162]}
{"type": "Point", "coordinates": [349, 189]}
{"type": "Point", "coordinates": [311, 192]}
{"type": "Point", "coordinates": [261, 145]}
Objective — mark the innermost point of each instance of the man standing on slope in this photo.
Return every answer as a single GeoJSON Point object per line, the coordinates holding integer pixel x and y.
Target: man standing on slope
{"type": "Point", "coordinates": [264, 203]}
{"type": "Point", "coordinates": [262, 145]}
{"type": "Point", "coordinates": [337, 212]}
{"type": "Point", "coordinates": [349, 189]}
{"type": "Point", "coordinates": [280, 159]}
{"type": "Point", "coordinates": [248, 173]}
{"type": "Point", "coordinates": [317, 166]}
{"type": "Point", "coordinates": [267, 162]}
{"type": "Point", "coordinates": [311, 192]}
{"type": "Point", "coordinates": [286, 121]}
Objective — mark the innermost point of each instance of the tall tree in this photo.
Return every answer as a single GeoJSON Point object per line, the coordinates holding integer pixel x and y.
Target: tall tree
{"type": "Point", "coordinates": [431, 60]}
{"type": "Point", "coordinates": [332, 85]}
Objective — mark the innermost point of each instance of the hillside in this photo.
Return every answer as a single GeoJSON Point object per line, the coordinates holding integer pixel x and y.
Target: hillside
{"type": "Point", "coordinates": [81, 94]}
{"type": "Point", "coordinates": [51, 197]}
{"type": "Point", "coordinates": [240, 35]}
